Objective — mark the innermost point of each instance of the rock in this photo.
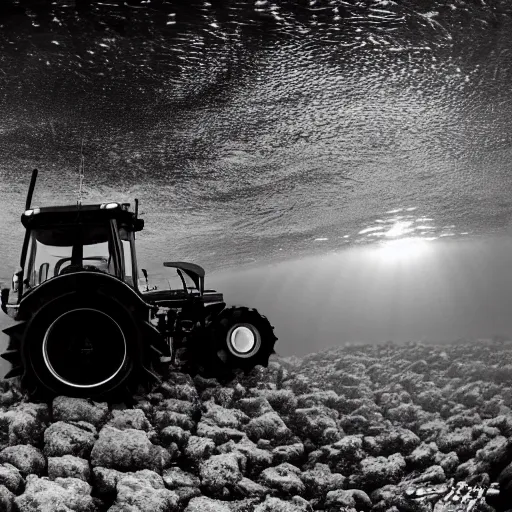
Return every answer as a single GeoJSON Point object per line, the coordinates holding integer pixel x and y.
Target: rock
{"type": "Point", "coordinates": [176, 435]}
{"type": "Point", "coordinates": [431, 400]}
{"type": "Point", "coordinates": [247, 488]}
{"type": "Point", "coordinates": [143, 491]}
{"type": "Point", "coordinates": [176, 477]}
{"type": "Point", "coordinates": [6, 499]}
{"type": "Point", "coordinates": [130, 418]}
{"type": "Point", "coordinates": [190, 409]}
{"type": "Point", "coordinates": [204, 504]}
{"type": "Point", "coordinates": [422, 456]}
{"type": "Point", "coordinates": [379, 471]}
{"type": "Point", "coordinates": [63, 494]}
{"type": "Point", "coordinates": [66, 439]}
{"type": "Point", "coordinates": [25, 458]}
{"type": "Point", "coordinates": [23, 424]}
{"type": "Point", "coordinates": [70, 409]}
{"type": "Point", "coordinates": [431, 430]}
{"type": "Point", "coordinates": [219, 435]}
{"type": "Point", "coordinates": [328, 398]}
{"type": "Point", "coordinates": [496, 452]}
{"type": "Point", "coordinates": [448, 461]}
{"type": "Point", "coordinates": [170, 418]}
{"type": "Point", "coordinates": [313, 421]}
{"type": "Point", "coordinates": [185, 392]}
{"type": "Point", "coordinates": [257, 458]}
{"type": "Point", "coordinates": [203, 383]}
{"type": "Point", "coordinates": [283, 478]}
{"type": "Point", "coordinates": [268, 426]}
{"type": "Point", "coordinates": [279, 505]}
{"type": "Point", "coordinates": [283, 401]}
{"type": "Point", "coordinates": [105, 480]}
{"type": "Point", "coordinates": [293, 453]}
{"type": "Point", "coordinates": [254, 407]}
{"type": "Point", "coordinates": [68, 466]}
{"type": "Point", "coordinates": [459, 441]}
{"type": "Point", "coordinates": [222, 417]}
{"type": "Point", "coordinates": [354, 498]}
{"type": "Point", "coordinates": [128, 450]}
{"type": "Point", "coordinates": [432, 475]}
{"type": "Point", "coordinates": [199, 448]}
{"type": "Point", "coordinates": [354, 424]}
{"type": "Point", "coordinates": [319, 480]}
{"type": "Point", "coordinates": [221, 471]}
{"type": "Point", "coordinates": [221, 396]}
{"type": "Point", "coordinates": [11, 478]}
{"type": "Point", "coordinates": [463, 419]}
{"type": "Point", "coordinates": [394, 440]}
{"type": "Point", "coordinates": [185, 494]}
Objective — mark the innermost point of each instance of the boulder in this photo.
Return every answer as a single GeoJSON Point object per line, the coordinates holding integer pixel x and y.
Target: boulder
{"type": "Point", "coordinates": [268, 426]}
{"type": "Point", "coordinates": [204, 504]}
{"type": "Point", "coordinates": [199, 448]}
{"type": "Point", "coordinates": [350, 498]}
{"type": "Point", "coordinates": [128, 450]}
{"type": "Point", "coordinates": [130, 418]}
{"type": "Point", "coordinates": [143, 491]}
{"type": "Point", "coordinates": [175, 435]}
{"type": "Point", "coordinates": [284, 478]}
{"type": "Point", "coordinates": [219, 435]}
{"type": "Point", "coordinates": [44, 495]}
{"type": "Point", "coordinates": [70, 409]}
{"type": "Point", "coordinates": [176, 477]}
{"type": "Point", "coordinates": [105, 480]}
{"type": "Point", "coordinates": [222, 417]}
{"type": "Point", "coordinates": [69, 439]}
{"type": "Point", "coordinates": [379, 471]}
{"type": "Point", "coordinates": [170, 418]}
{"type": "Point", "coordinates": [68, 466]}
{"type": "Point", "coordinates": [422, 456]}
{"type": "Point", "coordinates": [278, 505]}
{"type": "Point", "coordinates": [25, 457]}
{"type": "Point", "coordinates": [246, 488]}
{"type": "Point", "coordinates": [319, 480]}
{"type": "Point", "coordinates": [11, 478]}
{"type": "Point", "coordinates": [283, 401]}
{"type": "Point", "coordinates": [6, 499]}
{"type": "Point", "coordinates": [221, 471]}
{"type": "Point", "coordinates": [313, 421]}
{"type": "Point", "coordinates": [23, 424]}
{"type": "Point", "coordinates": [254, 407]}
{"type": "Point", "coordinates": [292, 453]}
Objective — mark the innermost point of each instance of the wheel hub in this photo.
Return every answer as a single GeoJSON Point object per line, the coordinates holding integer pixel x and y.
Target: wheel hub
{"type": "Point", "coordinates": [243, 340]}
{"type": "Point", "coordinates": [84, 348]}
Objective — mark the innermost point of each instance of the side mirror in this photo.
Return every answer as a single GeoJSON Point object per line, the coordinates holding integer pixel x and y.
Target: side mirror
{"type": "Point", "coordinates": [43, 272]}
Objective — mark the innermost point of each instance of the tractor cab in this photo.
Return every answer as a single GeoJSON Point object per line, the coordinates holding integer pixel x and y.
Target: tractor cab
{"type": "Point", "coordinates": [65, 239]}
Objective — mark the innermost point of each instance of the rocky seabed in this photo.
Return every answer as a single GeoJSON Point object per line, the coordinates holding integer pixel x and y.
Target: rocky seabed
{"type": "Point", "coordinates": [343, 430]}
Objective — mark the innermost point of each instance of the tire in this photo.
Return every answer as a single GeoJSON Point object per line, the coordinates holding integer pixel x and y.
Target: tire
{"type": "Point", "coordinates": [238, 339]}
{"type": "Point", "coordinates": [86, 342]}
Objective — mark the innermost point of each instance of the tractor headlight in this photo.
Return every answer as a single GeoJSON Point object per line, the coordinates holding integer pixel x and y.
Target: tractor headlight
{"type": "Point", "coordinates": [33, 211]}
{"type": "Point", "coordinates": [109, 206]}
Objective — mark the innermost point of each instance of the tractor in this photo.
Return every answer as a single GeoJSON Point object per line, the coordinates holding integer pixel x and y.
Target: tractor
{"type": "Point", "coordinates": [89, 324]}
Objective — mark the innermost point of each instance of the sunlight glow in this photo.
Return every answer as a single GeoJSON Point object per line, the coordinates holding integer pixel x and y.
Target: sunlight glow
{"type": "Point", "coordinates": [404, 249]}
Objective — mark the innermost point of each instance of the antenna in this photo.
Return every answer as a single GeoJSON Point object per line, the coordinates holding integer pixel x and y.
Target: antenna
{"type": "Point", "coordinates": [81, 172]}
{"type": "Point", "coordinates": [136, 208]}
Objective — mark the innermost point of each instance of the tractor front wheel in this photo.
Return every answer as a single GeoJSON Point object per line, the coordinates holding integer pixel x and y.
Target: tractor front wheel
{"type": "Point", "coordinates": [238, 338]}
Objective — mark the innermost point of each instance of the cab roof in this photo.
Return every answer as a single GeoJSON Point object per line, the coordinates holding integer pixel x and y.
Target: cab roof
{"type": "Point", "coordinates": [81, 214]}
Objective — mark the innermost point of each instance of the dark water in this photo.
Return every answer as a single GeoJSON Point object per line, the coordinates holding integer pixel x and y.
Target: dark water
{"type": "Point", "coordinates": [255, 133]}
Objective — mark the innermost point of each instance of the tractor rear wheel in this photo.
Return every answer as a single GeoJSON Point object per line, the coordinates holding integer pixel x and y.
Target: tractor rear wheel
{"type": "Point", "coordinates": [85, 343]}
